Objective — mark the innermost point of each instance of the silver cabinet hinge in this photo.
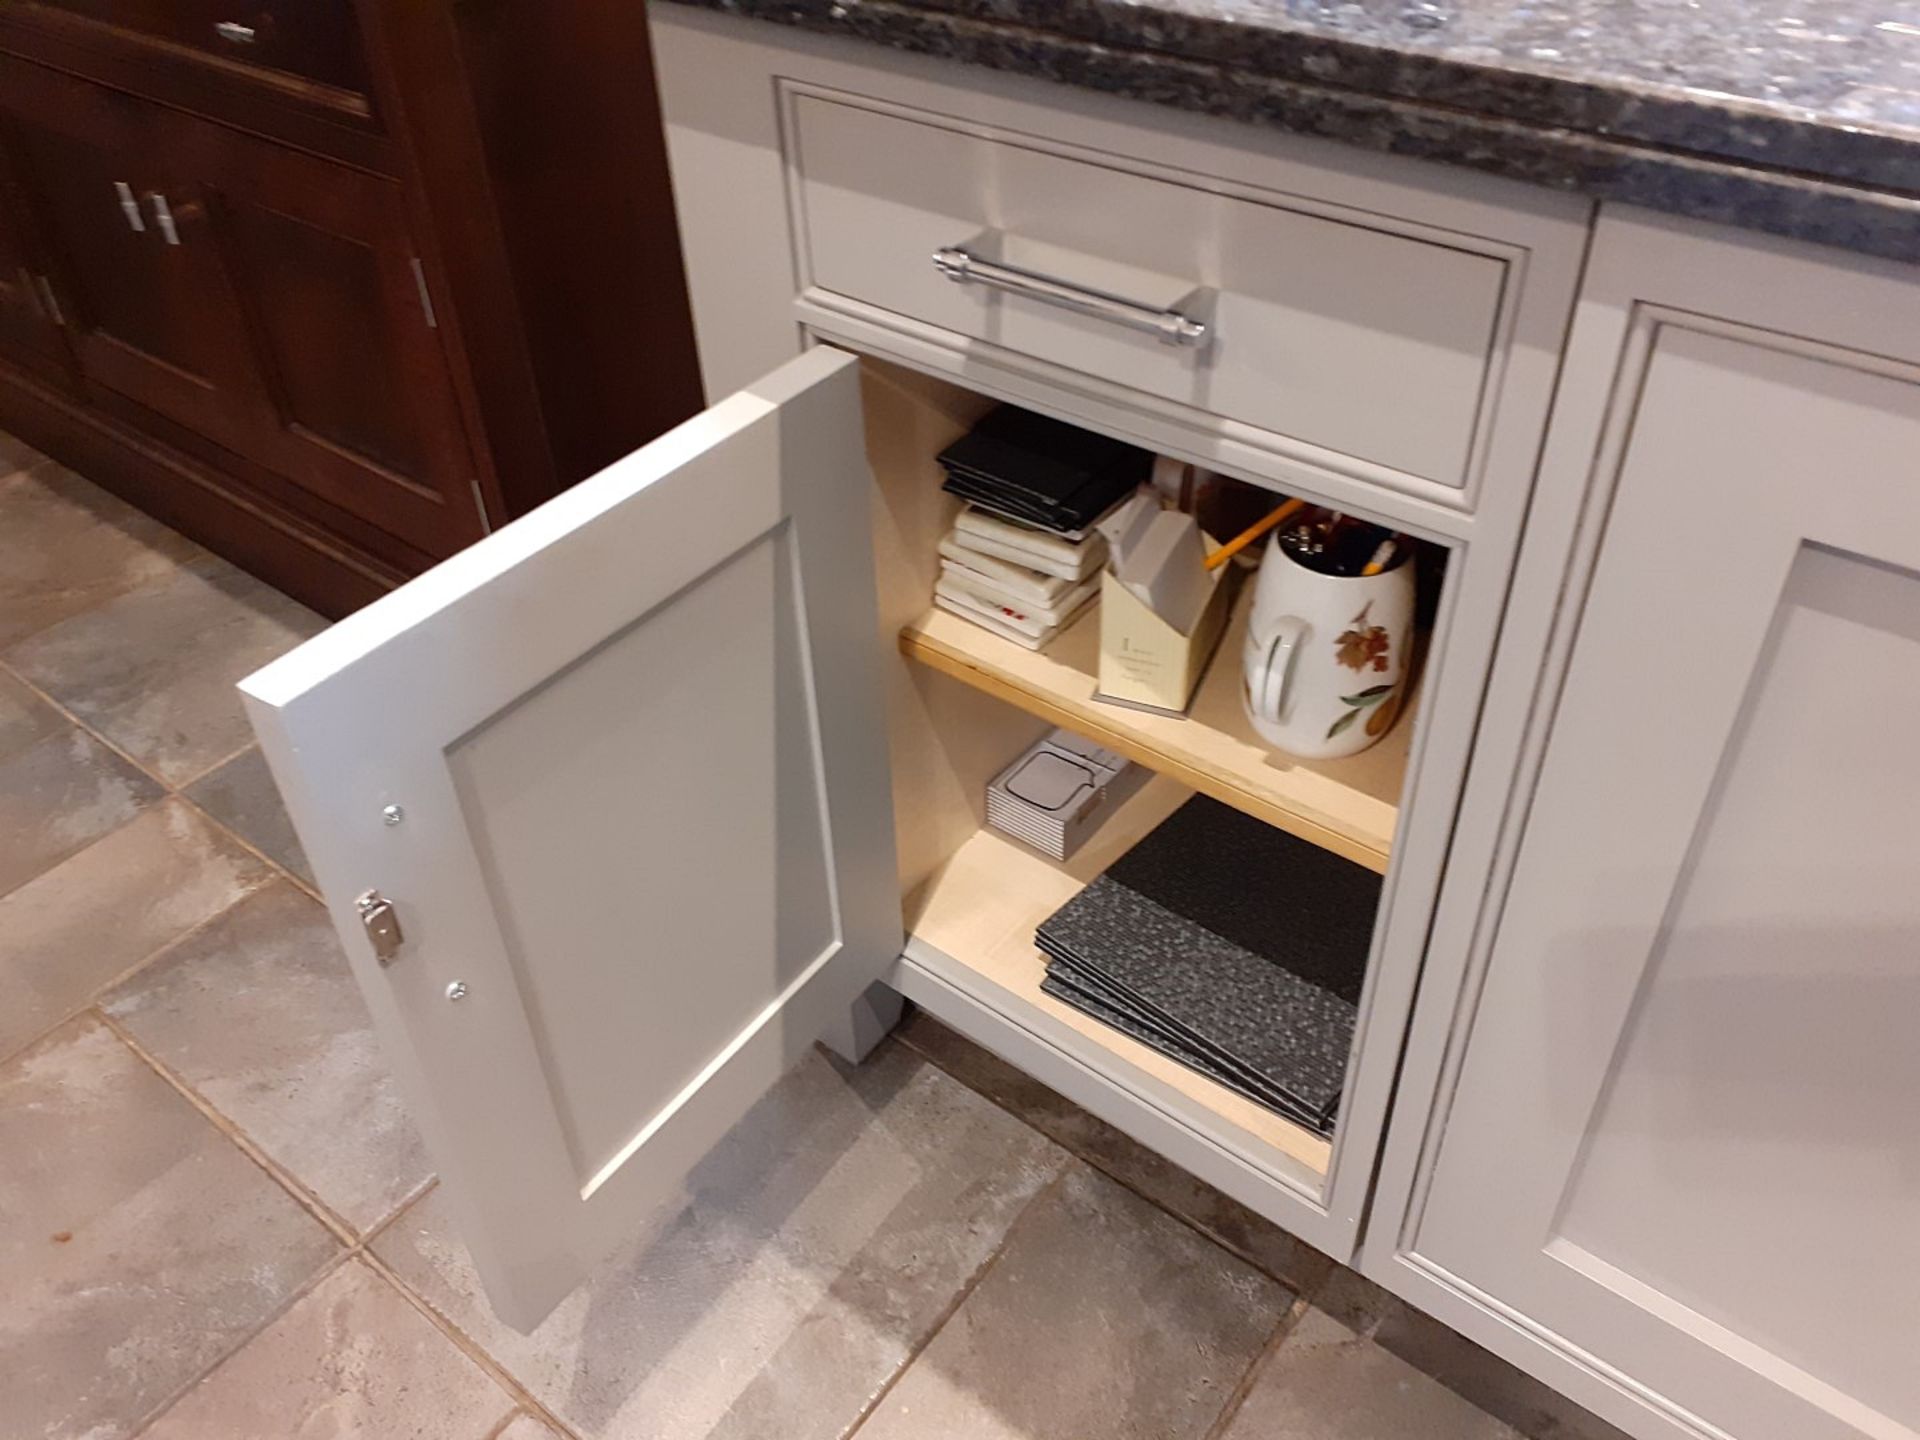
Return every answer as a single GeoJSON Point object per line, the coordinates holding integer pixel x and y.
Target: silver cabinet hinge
{"type": "Point", "coordinates": [426, 296]}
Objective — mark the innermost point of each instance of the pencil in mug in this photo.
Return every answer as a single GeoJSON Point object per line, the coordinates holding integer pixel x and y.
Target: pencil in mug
{"type": "Point", "coordinates": [1252, 533]}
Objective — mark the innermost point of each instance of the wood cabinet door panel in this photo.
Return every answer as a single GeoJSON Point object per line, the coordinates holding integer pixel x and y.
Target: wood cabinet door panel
{"type": "Point", "coordinates": [636, 744]}
{"type": "Point", "coordinates": [282, 315]}
{"type": "Point", "coordinates": [361, 408]}
{"type": "Point", "coordinates": [154, 320]}
{"type": "Point", "coordinates": [29, 314]}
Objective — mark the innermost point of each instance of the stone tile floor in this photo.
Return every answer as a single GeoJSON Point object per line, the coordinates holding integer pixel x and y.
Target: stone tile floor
{"type": "Point", "coordinates": [216, 1220]}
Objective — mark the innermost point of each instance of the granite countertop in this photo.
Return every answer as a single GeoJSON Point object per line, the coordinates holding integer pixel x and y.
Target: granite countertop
{"type": "Point", "coordinates": [1800, 121]}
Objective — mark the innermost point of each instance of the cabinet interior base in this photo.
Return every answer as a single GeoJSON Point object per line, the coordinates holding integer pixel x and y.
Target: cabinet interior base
{"type": "Point", "coordinates": [981, 909]}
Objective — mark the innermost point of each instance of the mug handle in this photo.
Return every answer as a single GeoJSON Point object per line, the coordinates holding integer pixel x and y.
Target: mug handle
{"type": "Point", "coordinates": [1267, 694]}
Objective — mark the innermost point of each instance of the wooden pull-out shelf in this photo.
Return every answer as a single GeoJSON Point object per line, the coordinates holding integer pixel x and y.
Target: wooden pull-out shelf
{"type": "Point", "coordinates": [1346, 806]}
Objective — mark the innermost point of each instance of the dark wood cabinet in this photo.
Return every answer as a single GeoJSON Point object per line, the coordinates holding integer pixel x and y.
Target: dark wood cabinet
{"type": "Point", "coordinates": [151, 316]}
{"type": "Point", "coordinates": [29, 309]}
{"type": "Point", "coordinates": [335, 361]}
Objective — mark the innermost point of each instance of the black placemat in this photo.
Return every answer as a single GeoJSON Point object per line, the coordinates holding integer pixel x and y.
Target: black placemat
{"type": "Point", "coordinates": [1208, 990]}
{"type": "Point", "coordinates": [1153, 1029]}
{"type": "Point", "coordinates": [1127, 1025]}
{"type": "Point", "coordinates": [1308, 910]}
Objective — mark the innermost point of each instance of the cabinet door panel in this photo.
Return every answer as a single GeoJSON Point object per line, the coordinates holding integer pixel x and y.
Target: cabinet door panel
{"type": "Point", "coordinates": [1692, 1064]}
{"type": "Point", "coordinates": [636, 746]}
{"type": "Point", "coordinates": [362, 409]}
{"type": "Point", "coordinates": [313, 288]}
{"type": "Point", "coordinates": [158, 322]}
{"type": "Point", "coordinates": [29, 317]}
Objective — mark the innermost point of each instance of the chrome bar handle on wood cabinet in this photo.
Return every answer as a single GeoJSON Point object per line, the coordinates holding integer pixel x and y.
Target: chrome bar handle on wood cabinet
{"type": "Point", "coordinates": [130, 207]}
{"type": "Point", "coordinates": [1170, 326]}
{"type": "Point", "coordinates": [163, 217]}
{"type": "Point", "coordinates": [234, 33]}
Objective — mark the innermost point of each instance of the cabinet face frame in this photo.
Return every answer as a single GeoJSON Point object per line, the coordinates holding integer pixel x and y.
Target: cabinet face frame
{"type": "Point", "coordinates": [725, 85]}
{"type": "Point", "coordinates": [1647, 271]}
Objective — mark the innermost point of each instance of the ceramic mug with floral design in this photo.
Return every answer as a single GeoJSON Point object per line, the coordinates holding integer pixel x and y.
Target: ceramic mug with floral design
{"type": "Point", "coordinates": [1326, 655]}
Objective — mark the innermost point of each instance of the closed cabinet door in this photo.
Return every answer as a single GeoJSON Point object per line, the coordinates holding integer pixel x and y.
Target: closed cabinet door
{"type": "Point", "coordinates": [152, 313]}
{"type": "Point", "coordinates": [30, 312]}
{"type": "Point", "coordinates": [602, 811]}
{"type": "Point", "coordinates": [1683, 1140]}
{"type": "Point", "coordinates": [358, 405]}
{"type": "Point", "coordinates": [267, 299]}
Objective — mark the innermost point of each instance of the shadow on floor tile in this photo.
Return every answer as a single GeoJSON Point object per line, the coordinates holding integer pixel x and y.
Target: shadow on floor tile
{"type": "Point", "coordinates": [140, 1244]}
{"type": "Point", "coordinates": [60, 794]}
{"type": "Point", "coordinates": [67, 546]}
{"type": "Point", "coordinates": [1103, 1316]}
{"type": "Point", "coordinates": [1475, 1375]}
{"type": "Point", "coordinates": [241, 795]}
{"type": "Point", "coordinates": [352, 1358]}
{"type": "Point", "coordinates": [24, 717]}
{"type": "Point", "coordinates": [16, 455]}
{"type": "Point", "coordinates": [1327, 1382]}
{"type": "Point", "coordinates": [154, 671]}
{"type": "Point", "coordinates": [90, 919]}
{"type": "Point", "coordinates": [259, 1014]}
{"type": "Point", "coordinates": [1286, 1258]}
{"type": "Point", "coordinates": [816, 1248]}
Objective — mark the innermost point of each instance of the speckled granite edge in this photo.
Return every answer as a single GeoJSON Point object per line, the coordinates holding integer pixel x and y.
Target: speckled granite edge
{"type": "Point", "coordinates": [1256, 88]}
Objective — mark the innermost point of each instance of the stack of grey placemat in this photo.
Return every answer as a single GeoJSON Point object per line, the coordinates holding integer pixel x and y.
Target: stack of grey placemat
{"type": "Point", "coordinates": [1228, 946]}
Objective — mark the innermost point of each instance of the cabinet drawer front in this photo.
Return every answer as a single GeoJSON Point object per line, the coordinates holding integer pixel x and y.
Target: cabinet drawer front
{"type": "Point", "coordinates": [318, 41]}
{"type": "Point", "coordinates": [314, 39]}
{"type": "Point", "coordinates": [1360, 340]}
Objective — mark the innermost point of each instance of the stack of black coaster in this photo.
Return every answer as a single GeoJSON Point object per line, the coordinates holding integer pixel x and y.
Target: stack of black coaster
{"type": "Point", "coordinates": [1042, 472]}
{"type": "Point", "coordinates": [1229, 946]}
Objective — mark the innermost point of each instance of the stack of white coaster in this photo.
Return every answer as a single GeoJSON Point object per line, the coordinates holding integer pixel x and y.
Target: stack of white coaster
{"type": "Point", "coordinates": [1021, 583]}
{"type": "Point", "coordinates": [1056, 794]}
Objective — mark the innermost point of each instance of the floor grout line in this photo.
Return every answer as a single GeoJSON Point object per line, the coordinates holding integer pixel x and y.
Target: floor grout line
{"type": "Point", "coordinates": [334, 1263]}
{"type": "Point", "coordinates": [960, 1298]}
{"type": "Point", "coordinates": [280, 869]}
{"type": "Point", "coordinates": [179, 791]}
{"type": "Point", "coordinates": [74, 720]}
{"type": "Point", "coordinates": [188, 784]}
{"type": "Point", "coordinates": [1133, 1188]}
{"type": "Point", "coordinates": [469, 1346]}
{"type": "Point", "coordinates": [341, 1229]}
{"type": "Point", "coordinates": [1289, 1322]}
{"type": "Point", "coordinates": [99, 992]}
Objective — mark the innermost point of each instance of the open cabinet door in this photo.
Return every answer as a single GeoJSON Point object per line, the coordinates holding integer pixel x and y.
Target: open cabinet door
{"type": "Point", "coordinates": [621, 771]}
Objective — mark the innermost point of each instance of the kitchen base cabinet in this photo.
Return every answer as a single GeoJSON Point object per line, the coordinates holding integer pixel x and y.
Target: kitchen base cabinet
{"type": "Point", "coordinates": [624, 806]}
{"type": "Point", "coordinates": [1671, 1137]}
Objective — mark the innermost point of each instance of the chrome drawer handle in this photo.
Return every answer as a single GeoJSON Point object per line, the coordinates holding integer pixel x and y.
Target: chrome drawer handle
{"type": "Point", "coordinates": [1173, 328]}
{"type": "Point", "coordinates": [234, 31]}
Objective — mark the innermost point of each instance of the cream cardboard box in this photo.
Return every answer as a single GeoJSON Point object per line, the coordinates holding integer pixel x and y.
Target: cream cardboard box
{"type": "Point", "coordinates": [1147, 663]}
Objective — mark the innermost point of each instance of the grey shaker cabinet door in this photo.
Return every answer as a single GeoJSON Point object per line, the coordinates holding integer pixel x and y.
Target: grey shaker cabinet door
{"type": "Point", "coordinates": [643, 832]}
{"type": "Point", "coordinates": [1682, 1141]}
